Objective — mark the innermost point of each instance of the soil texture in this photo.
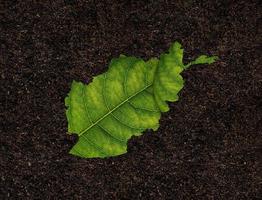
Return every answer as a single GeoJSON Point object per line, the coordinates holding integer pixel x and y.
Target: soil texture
{"type": "Point", "coordinates": [208, 145]}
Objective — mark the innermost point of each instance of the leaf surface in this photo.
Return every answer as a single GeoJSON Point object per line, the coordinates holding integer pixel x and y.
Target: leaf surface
{"type": "Point", "coordinates": [123, 102]}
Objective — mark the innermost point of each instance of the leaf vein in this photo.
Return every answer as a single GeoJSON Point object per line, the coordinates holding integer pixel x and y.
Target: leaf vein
{"type": "Point", "coordinates": [112, 135]}
{"type": "Point", "coordinates": [86, 110]}
{"type": "Point", "coordinates": [104, 97]}
{"type": "Point", "coordinates": [100, 149]}
{"type": "Point", "coordinates": [140, 108]}
{"type": "Point", "coordinates": [125, 124]}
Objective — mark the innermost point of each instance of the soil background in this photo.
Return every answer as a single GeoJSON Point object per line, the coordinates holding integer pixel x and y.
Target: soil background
{"type": "Point", "coordinates": [207, 146]}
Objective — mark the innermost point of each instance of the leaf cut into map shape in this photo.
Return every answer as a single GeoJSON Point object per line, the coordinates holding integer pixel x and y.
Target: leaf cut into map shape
{"type": "Point", "coordinates": [124, 101]}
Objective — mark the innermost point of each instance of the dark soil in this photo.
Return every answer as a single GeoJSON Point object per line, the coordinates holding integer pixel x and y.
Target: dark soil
{"type": "Point", "coordinates": [208, 145]}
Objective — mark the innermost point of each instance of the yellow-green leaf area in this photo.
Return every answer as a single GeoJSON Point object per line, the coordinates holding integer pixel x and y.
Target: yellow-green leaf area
{"type": "Point", "coordinates": [125, 101]}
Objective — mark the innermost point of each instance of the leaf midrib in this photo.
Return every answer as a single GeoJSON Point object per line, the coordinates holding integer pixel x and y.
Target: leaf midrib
{"type": "Point", "coordinates": [95, 123]}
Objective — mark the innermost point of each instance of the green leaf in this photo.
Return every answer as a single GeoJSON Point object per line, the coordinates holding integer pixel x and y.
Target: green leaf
{"type": "Point", "coordinates": [202, 60]}
{"type": "Point", "coordinates": [168, 81]}
{"type": "Point", "coordinates": [123, 102]}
